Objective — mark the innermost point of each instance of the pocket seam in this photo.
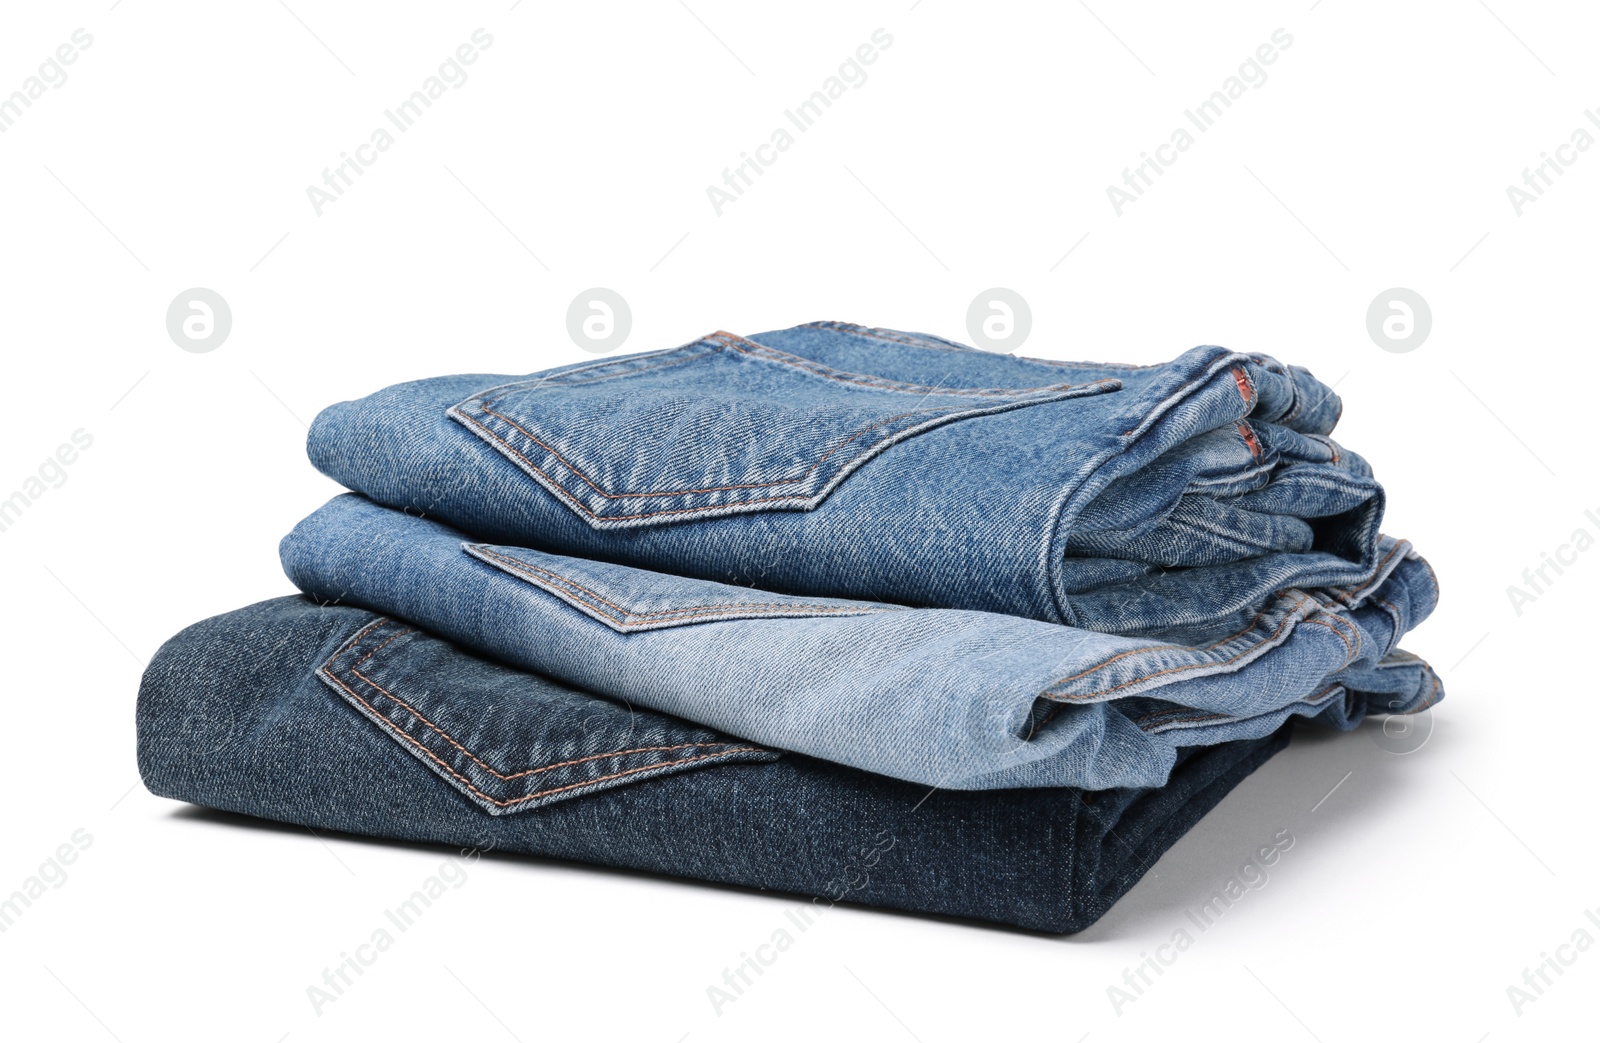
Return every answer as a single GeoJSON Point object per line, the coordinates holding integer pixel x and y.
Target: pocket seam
{"type": "Point", "coordinates": [327, 670]}
{"type": "Point", "coordinates": [485, 400]}
{"type": "Point", "coordinates": [671, 616]}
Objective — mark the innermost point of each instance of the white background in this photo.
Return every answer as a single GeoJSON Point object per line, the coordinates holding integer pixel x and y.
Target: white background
{"type": "Point", "coordinates": [1376, 154]}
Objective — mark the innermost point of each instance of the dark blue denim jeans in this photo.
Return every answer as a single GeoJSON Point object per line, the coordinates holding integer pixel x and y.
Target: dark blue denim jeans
{"type": "Point", "coordinates": [337, 718]}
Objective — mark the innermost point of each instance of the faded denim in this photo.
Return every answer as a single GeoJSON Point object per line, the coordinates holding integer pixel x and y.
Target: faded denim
{"type": "Point", "coordinates": [941, 697]}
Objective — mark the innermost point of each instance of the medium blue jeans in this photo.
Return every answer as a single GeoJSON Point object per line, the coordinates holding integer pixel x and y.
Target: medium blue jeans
{"type": "Point", "coordinates": [941, 697]}
{"type": "Point", "coordinates": [338, 719]}
{"type": "Point", "coordinates": [832, 460]}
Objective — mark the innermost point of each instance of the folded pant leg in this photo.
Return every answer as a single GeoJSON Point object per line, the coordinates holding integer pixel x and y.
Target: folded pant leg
{"type": "Point", "coordinates": [336, 718]}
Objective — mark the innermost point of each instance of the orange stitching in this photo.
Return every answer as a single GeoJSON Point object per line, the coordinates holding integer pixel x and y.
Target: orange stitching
{"type": "Point", "coordinates": [1208, 375]}
{"type": "Point", "coordinates": [1190, 666]}
{"type": "Point", "coordinates": [355, 643]}
{"type": "Point", "coordinates": [1431, 692]}
{"type": "Point", "coordinates": [530, 771]}
{"type": "Point", "coordinates": [710, 489]}
{"type": "Point", "coordinates": [576, 505]}
{"type": "Point", "coordinates": [1135, 651]}
{"type": "Point", "coordinates": [542, 793]}
{"type": "Point", "coordinates": [468, 782]}
{"type": "Point", "coordinates": [1249, 437]}
{"type": "Point", "coordinates": [690, 611]}
{"type": "Point", "coordinates": [485, 405]}
{"type": "Point", "coordinates": [1247, 390]}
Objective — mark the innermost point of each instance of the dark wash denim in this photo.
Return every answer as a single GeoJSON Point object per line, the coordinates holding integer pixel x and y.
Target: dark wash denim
{"type": "Point", "coordinates": [834, 460]}
{"type": "Point", "coordinates": [942, 697]}
{"type": "Point", "coordinates": [340, 719]}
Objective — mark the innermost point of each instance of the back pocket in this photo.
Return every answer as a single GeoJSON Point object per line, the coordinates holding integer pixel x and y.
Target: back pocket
{"type": "Point", "coordinates": [508, 740]}
{"type": "Point", "coordinates": [628, 599]}
{"type": "Point", "coordinates": [720, 426]}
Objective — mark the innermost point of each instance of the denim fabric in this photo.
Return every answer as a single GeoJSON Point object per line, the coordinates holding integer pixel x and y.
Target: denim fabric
{"type": "Point", "coordinates": [338, 719]}
{"type": "Point", "coordinates": [942, 697]}
{"type": "Point", "coordinates": [832, 460]}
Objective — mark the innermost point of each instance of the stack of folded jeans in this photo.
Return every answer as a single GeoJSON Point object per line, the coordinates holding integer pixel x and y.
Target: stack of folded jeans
{"type": "Point", "coordinates": [845, 612]}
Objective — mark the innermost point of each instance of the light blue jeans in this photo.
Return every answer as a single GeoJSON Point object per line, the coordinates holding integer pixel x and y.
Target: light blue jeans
{"type": "Point", "coordinates": [944, 697]}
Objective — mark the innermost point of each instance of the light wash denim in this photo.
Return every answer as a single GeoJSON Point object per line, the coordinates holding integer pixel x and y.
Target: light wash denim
{"type": "Point", "coordinates": [339, 719]}
{"type": "Point", "coordinates": [832, 460]}
{"type": "Point", "coordinates": [943, 697]}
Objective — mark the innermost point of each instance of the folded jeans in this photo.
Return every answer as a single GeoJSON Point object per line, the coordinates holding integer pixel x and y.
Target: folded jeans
{"type": "Point", "coordinates": [941, 697]}
{"type": "Point", "coordinates": [336, 718]}
{"type": "Point", "coordinates": [833, 460]}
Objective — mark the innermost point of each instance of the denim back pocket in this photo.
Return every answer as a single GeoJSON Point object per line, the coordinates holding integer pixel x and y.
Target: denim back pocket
{"type": "Point", "coordinates": [629, 600]}
{"type": "Point", "coordinates": [720, 426]}
{"type": "Point", "coordinates": [508, 740]}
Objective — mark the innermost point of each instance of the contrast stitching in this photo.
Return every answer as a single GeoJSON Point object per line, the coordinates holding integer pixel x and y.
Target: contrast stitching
{"type": "Point", "coordinates": [577, 505]}
{"type": "Point", "coordinates": [354, 669]}
{"type": "Point", "coordinates": [549, 792]}
{"type": "Point", "coordinates": [1349, 651]}
{"type": "Point", "coordinates": [686, 612]}
{"type": "Point", "coordinates": [485, 403]}
{"type": "Point", "coordinates": [734, 341]}
{"type": "Point", "coordinates": [1333, 446]}
{"type": "Point", "coordinates": [1290, 617]}
{"type": "Point", "coordinates": [468, 782]}
{"type": "Point", "coordinates": [1432, 693]}
{"type": "Point", "coordinates": [1249, 437]}
{"type": "Point", "coordinates": [710, 489]}
{"type": "Point", "coordinates": [1209, 374]}
{"type": "Point", "coordinates": [1155, 648]}
{"type": "Point", "coordinates": [530, 771]}
{"type": "Point", "coordinates": [1247, 390]}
